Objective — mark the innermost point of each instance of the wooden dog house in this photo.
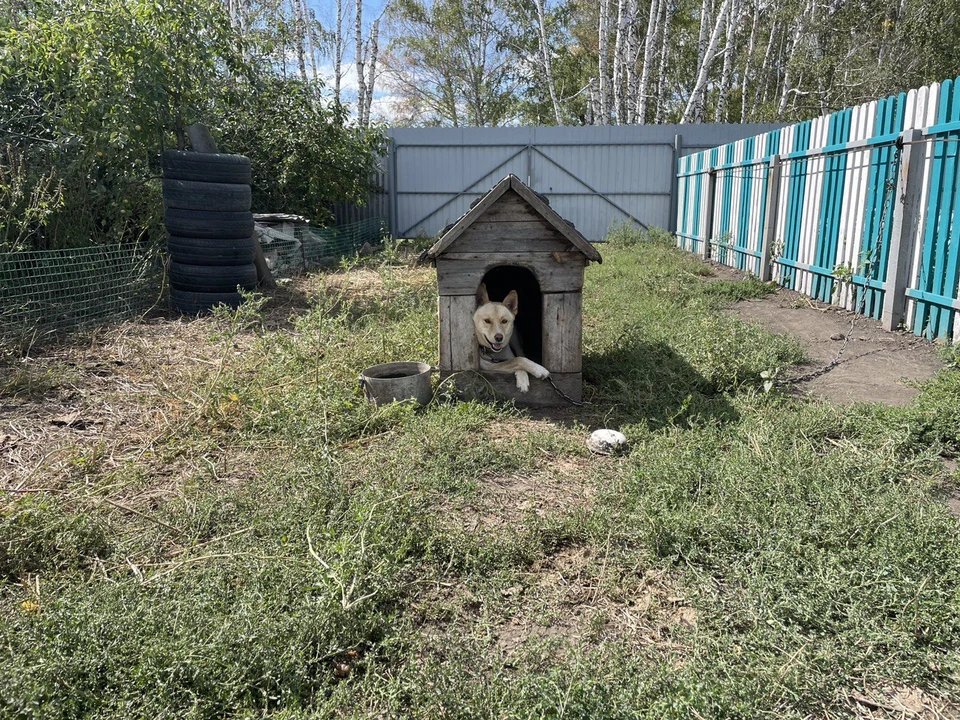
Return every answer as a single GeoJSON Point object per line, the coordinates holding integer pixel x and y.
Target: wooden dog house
{"type": "Point", "coordinates": [511, 239]}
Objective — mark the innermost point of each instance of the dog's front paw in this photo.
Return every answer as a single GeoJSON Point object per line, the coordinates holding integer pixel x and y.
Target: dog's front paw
{"type": "Point", "coordinates": [523, 381]}
{"type": "Point", "coordinates": [540, 372]}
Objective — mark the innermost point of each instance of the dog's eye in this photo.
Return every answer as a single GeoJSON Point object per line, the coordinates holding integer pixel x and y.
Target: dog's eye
{"type": "Point", "coordinates": [503, 322]}
{"type": "Point", "coordinates": [487, 320]}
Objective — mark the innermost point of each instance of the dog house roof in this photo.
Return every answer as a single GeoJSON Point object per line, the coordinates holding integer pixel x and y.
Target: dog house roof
{"type": "Point", "coordinates": [480, 207]}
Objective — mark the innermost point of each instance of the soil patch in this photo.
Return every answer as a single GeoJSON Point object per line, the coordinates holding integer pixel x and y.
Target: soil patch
{"type": "Point", "coordinates": [876, 365]}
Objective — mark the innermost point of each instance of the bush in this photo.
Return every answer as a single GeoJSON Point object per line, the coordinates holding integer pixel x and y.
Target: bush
{"type": "Point", "coordinates": [92, 92]}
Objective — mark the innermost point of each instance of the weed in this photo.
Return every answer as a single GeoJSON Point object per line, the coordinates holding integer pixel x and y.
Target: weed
{"type": "Point", "coordinates": [282, 548]}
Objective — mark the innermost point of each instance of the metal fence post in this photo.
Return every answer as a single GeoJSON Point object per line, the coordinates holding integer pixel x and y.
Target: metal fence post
{"type": "Point", "coordinates": [770, 219]}
{"type": "Point", "coordinates": [708, 214]}
{"type": "Point", "coordinates": [393, 212]}
{"type": "Point", "coordinates": [906, 215]}
{"type": "Point", "coordinates": [675, 185]}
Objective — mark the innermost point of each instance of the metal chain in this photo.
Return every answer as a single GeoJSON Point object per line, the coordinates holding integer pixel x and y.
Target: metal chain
{"type": "Point", "coordinates": [562, 394]}
{"type": "Point", "coordinates": [889, 186]}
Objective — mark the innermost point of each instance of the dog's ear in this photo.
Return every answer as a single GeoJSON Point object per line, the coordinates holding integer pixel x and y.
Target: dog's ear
{"type": "Point", "coordinates": [482, 297]}
{"type": "Point", "coordinates": [511, 301]}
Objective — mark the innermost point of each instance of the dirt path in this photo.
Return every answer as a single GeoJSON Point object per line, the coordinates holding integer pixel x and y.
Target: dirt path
{"type": "Point", "coordinates": [876, 365]}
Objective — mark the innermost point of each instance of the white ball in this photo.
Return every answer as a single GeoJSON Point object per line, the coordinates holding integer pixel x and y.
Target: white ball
{"type": "Point", "coordinates": [606, 442]}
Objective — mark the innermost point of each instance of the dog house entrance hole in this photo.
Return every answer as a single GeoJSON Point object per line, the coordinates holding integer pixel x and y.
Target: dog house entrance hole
{"type": "Point", "coordinates": [529, 323]}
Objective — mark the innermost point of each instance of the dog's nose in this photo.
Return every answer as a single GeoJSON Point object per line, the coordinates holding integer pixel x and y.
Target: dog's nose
{"type": "Point", "coordinates": [498, 337]}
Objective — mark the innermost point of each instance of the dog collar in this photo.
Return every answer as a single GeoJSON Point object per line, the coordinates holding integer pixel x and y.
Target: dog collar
{"type": "Point", "coordinates": [488, 354]}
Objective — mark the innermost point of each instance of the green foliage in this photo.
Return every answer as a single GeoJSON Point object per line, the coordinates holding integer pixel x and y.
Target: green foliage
{"type": "Point", "coordinates": [626, 233]}
{"type": "Point", "coordinates": [25, 205]}
{"type": "Point", "coordinates": [302, 155]}
{"type": "Point", "coordinates": [106, 84]}
{"type": "Point", "coordinates": [454, 67]}
{"type": "Point", "coordinates": [91, 93]}
{"type": "Point", "coordinates": [38, 534]}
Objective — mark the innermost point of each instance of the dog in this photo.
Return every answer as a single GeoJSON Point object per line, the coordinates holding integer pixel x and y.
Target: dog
{"type": "Point", "coordinates": [500, 347]}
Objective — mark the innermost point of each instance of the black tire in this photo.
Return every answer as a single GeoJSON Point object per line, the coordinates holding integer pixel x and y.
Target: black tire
{"type": "Point", "coordinates": [207, 223]}
{"type": "Point", "coordinates": [211, 251]}
{"type": "Point", "coordinates": [219, 197]}
{"type": "Point", "coordinates": [206, 167]}
{"type": "Point", "coordinates": [212, 278]}
{"type": "Point", "coordinates": [198, 303]}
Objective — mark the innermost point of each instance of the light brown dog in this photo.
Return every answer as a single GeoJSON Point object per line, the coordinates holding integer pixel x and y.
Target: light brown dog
{"type": "Point", "coordinates": [500, 347]}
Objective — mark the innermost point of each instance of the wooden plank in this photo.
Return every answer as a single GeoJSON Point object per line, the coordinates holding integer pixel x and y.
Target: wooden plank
{"type": "Point", "coordinates": [500, 386]}
{"type": "Point", "coordinates": [553, 328]}
{"type": "Point", "coordinates": [491, 241]}
{"type": "Point", "coordinates": [574, 259]}
{"type": "Point", "coordinates": [494, 194]}
{"type": "Point", "coordinates": [443, 313]}
{"type": "Point", "coordinates": [463, 342]}
{"type": "Point", "coordinates": [572, 321]}
{"type": "Point", "coordinates": [562, 332]}
{"type": "Point", "coordinates": [511, 207]}
{"type": "Point", "coordinates": [551, 216]}
{"type": "Point", "coordinates": [463, 277]}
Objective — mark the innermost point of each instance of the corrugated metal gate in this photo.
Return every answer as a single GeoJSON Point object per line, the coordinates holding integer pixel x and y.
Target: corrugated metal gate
{"type": "Point", "coordinates": [594, 176]}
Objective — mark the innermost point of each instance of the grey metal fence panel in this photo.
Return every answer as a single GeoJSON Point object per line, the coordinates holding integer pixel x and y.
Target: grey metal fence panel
{"type": "Point", "coordinates": [594, 176]}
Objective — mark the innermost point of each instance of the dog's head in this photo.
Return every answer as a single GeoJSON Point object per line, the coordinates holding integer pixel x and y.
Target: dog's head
{"type": "Point", "coordinates": [493, 321]}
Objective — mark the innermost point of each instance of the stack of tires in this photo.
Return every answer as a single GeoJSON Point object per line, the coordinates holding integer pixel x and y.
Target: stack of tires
{"type": "Point", "coordinates": [206, 198]}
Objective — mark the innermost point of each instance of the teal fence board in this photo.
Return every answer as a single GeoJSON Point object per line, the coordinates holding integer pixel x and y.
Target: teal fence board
{"type": "Point", "coordinates": [837, 201]}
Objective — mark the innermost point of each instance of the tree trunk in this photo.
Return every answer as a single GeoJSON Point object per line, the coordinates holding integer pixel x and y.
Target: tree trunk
{"type": "Point", "coordinates": [706, 18]}
{"type": "Point", "coordinates": [633, 53]}
{"type": "Point", "coordinates": [662, 75]}
{"type": "Point", "coordinates": [708, 56]}
{"type": "Point", "coordinates": [301, 39]}
{"type": "Point", "coordinates": [748, 63]}
{"type": "Point", "coordinates": [311, 40]}
{"type": "Point", "coordinates": [547, 61]}
{"type": "Point", "coordinates": [603, 41]}
{"type": "Point", "coordinates": [648, 55]}
{"type": "Point", "coordinates": [592, 110]}
{"type": "Point", "coordinates": [758, 99]}
{"type": "Point", "coordinates": [373, 51]}
{"type": "Point", "coordinates": [726, 77]}
{"type": "Point", "coordinates": [338, 52]}
{"type": "Point", "coordinates": [787, 75]}
{"type": "Point", "coordinates": [619, 113]}
{"type": "Point", "coordinates": [361, 79]}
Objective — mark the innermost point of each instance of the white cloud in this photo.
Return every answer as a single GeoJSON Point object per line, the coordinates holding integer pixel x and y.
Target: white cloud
{"type": "Point", "coordinates": [348, 76]}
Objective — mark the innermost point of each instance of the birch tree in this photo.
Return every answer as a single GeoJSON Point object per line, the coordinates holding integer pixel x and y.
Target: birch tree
{"type": "Point", "coordinates": [706, 15]}
{"type": "Point", "coordinates": [619, 101]}
{"type": "Point", "coordinates": [649, 52]}
{"type": "Point", "coordinates": [547, 60]}
{"type": "Point", "coordinates": [663, 64]}
{"type": "Point", "coordinates": [704, 69]}
{"type": "Point", "coordinates": [726, 78]}
{"type": "Point", "coordinates": [338, 52]}
{"type": "Point", "coordinates": [603, 42]}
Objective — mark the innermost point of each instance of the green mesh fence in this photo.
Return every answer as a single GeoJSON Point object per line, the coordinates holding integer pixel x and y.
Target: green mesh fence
{"type": "Point", "coordinates": [303, 247]}
{"type": "Point", "coordinates": [46, 292]}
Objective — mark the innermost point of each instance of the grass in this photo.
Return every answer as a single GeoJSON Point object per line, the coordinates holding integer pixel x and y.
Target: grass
{"type": "Point", "coordinates": [225, 529]}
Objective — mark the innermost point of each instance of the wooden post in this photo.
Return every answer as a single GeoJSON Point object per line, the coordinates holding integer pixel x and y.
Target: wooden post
{"type": "Point", "coordinates": [906, 215]}
{"type": "Point", "coordinates": [200, 138]}
{"type": "Point", "coordinates": [770, 219]}
{"type": "Point", "coordinates": [707, 221]}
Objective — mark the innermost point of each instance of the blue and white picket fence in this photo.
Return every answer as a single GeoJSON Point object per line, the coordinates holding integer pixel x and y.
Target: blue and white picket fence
{"type": "Point", "coordinates": [860, 208]}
